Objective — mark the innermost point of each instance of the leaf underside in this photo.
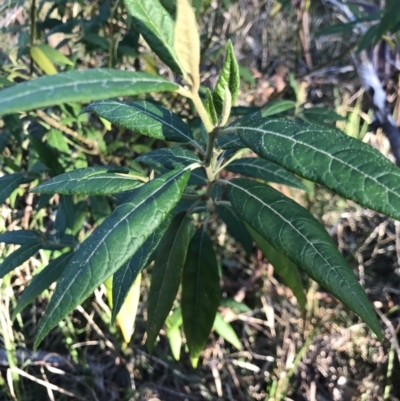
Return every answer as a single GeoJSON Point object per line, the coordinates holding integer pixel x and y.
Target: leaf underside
{"type": "Point", "coordinates": [157, 28]}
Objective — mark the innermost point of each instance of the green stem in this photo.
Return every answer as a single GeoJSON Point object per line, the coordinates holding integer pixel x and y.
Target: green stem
{"type": "Point", "coordinates": [198, 104]}
{"type": "Point", "coordinates": [111, 43]}
{"type": "Point", "coordinates": [234, 157]}
{"type": "Point", "coordinates": [33, 31]}
{"type": "Point", "coordinates": [212, 136]}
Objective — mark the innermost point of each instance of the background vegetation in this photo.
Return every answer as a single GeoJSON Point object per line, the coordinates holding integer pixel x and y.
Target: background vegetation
{"type": "Point", "coordinates": [285, 53]}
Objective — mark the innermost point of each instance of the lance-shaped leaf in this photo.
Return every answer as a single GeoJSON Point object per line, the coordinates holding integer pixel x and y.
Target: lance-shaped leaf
{"type": "Point", "coordinates": [92, 181]}
{"type": "Point", "coordinates": [124, 278]}
{"type": "Point", "coordinates": [229, 79]}
{"type": "Point", "coordinates": [10, 182]}
{"type": "Point", "coordinates": [42, 61]}
{"type": "Point", "coordinates": [168, 158]}
{"type": "Point", "coordinates": [295, 232]}
{"type": "Point", "coordinates": [111, 245]}
{"type": "Point", "coordinates": [283, 266]}
{"type": "Point", "coordinates": [174, 323]}
{"type": "Point", "coordinates": [21, 255]}
{"type": "Point", "coordinates": [144, 117]}
{"type": "Point", "coordinates": [210, 107]}
{"type": "Point", "coordinates": [41, 281]}
{"type": "Point", "coordinates": [127, 313]}
{"type": "Point", "coordinates": [79, 86]}
{"type": "Point", "coordinates": [236, 227]}
{"type": "Point", "coordinates": [225, 330]}
{"type": "Point", "coordinates": [277, 107]}
{"type": "Point", "coordinates": [187, 43]}
{"type": "Point", "coordinates": [157, 27]}
{"type": "Point", "coordinates": [200, 293]}
{"type": "Point", "coordinates": [166, 275]}
{"type": "Point", "coordinates": [20, 237]}
{"type": "Point", "coordinates": [329, 157]}
{"type": "Point", "coordinates": [265, 170]}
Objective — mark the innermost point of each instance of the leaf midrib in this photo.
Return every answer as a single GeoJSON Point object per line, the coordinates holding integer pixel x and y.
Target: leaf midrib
{"type": "Point", "coordinates": [161, 35]}
{"type": "Point", "coordinates": [82, 264]}
{"type": "Point", "coordinates": [82, 181]}
{"type": "Point", "coordinates": [155, 117]}
{"type": "Point", "coordinates": [265, 132]}
{"type": "Point", "coordinates": [304, 237]}
{"type": "Point", "coordinates": [32, 84]}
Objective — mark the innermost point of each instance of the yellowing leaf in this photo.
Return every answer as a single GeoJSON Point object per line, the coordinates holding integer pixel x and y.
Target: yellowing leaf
{"type": "Point", "coordinates": [43, 61]}
{"type": "Point", "coordinates": [187, 43]}
{"type": "Point", "coordinates": [127, 314]}
{"type": "Point", "coordinates": [55, 55]}
{"type": "Point", "coordinates": [106, 123]}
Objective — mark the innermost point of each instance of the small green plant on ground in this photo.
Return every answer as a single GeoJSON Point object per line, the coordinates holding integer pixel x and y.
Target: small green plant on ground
{"type": "Point", "coordinates": [164, 216]}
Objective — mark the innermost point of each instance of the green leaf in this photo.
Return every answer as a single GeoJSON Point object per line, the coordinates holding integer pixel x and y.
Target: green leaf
{"type": "Point", "coordinates": [111, 245]}
{"type": "Point", "coordinates": [92, 181]}
{"type": "Point", "coordinates": [238, 307]}
{"type": "Point", "coordinates": [174, 323]}
{"type": "Point", "coordinates": [169, 158]}
{"type": "Point", "coordinates": [283, 266]}
{"type": "Point", "coordinates": [200, 293]}
{"type": "Point", "coordinates": [322, 115]}
{"type": "Point", "coordinates": [9, 183]}
{"type": "Point", "coordinates": [229, 78]}
{"type": "Point", "coordinates": [230, 141]}
{"type": "Point", "coordinates": [225, 330]}
{"type": "Point", "coordinates": [48, 155]}
{"type": "Point", "coordinates": [210, 107]}
{"type": "Point", "coordinates": [124, 277]}
{"type": "Point", "coordinates": [144, 117]}
{"type": "Point", "coordinates": [236, 227]}
{"type": "Point", "coordinates": [327, 156]}
{"type": "Point", "coordinates": [55, 55]}
{"type": "Point", "coordinates": [157, 28]}
{"type": "Point", "coordinates": [20, 237]}
{"type": "Point", "coordinates": [292, 230]}
{"type": "Point", "coordinates": [166, 275]}
{"type": "Point", "coordinates": [21, 255]}
{"type": "Point", "coordinates": [79, 86]}
{"type": "Point", "coordinates": [265, 170]}
{"type": "Point", "coordinates": [277, 107]}
{"type": "Point", "coordinates": [41, 281]}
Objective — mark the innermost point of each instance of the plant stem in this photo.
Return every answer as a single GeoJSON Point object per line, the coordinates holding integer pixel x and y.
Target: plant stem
{"type": "Point", "coordinates": [33, 32]}
{"type": "Point", "coordinates": [234, 157]}
{"type": "Point", "coordinates": [212, 136]}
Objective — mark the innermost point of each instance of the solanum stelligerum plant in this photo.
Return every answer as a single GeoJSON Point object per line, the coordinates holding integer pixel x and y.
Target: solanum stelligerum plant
{"type": "Point", "coordinates": [164, 216]}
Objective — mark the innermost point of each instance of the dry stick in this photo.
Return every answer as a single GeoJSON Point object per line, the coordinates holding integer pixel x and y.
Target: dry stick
{"type": "Point", "coordinates": [54, 123]}
{"type": "Point", "coordinates": [46, 384]}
